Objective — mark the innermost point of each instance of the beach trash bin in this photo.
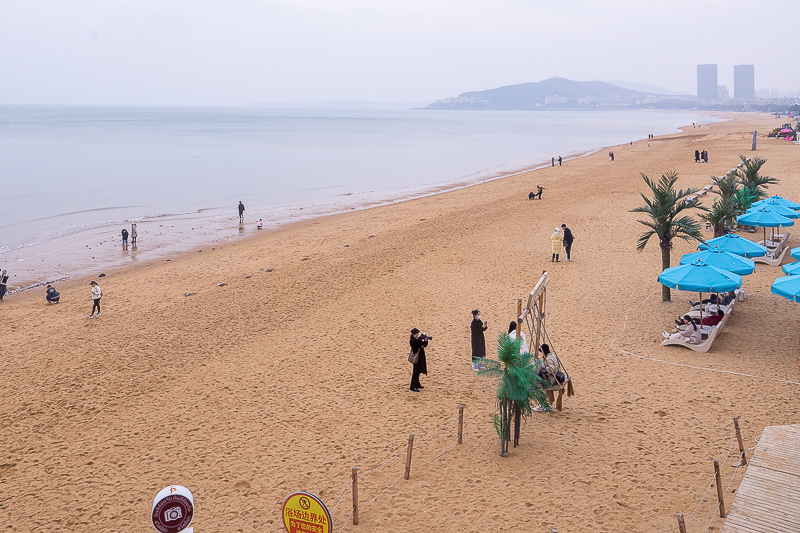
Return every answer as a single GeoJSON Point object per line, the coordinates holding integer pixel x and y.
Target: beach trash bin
{"type": "Point", "coordinates": [741, 294]}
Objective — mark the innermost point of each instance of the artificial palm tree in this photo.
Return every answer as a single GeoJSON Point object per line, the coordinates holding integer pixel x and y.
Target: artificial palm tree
{"type": "Point", "coordinates": [667, 218]}
{"type": "Point", "coordinates": [727, 185]}
{"type": "Point", "coordinates": [722, 215]}
{"type": "Point", "coordinates": [519, 385]}
{"type": "Point", "coordinates": [748, 175]}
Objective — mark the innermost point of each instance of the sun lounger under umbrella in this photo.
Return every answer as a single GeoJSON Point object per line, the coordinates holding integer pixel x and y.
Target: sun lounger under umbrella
{"type": "Point", "coordinates": [764, 218]}
{"type": "Point", "coordinates": [722, 259]}
{"type": "Point", "coordinates": [700, 277]}
{"type": "Point", "coordinates": [779, 199]}
{"type": "Point", "coordinates": [736, 244]}
{"type": "Point", "coordinates": [788, 287]}
{"type": "Point", "coordinates": [792, 269]}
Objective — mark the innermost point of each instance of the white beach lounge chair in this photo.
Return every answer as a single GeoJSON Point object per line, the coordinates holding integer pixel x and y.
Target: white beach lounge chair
{"type": "Point", "coordinates": [704, 345]}
{"type": "Point", "coordinates": [775, 256]}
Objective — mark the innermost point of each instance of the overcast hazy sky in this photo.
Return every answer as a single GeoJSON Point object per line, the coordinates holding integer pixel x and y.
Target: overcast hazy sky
{"type": "Point", "coordinates": [231, 52]}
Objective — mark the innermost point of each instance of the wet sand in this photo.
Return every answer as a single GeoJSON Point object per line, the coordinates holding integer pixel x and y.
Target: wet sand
{"type": "Point", "coordinates": [294, 370]}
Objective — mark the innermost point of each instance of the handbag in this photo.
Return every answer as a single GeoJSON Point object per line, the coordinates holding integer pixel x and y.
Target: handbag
{"type": "Point", "coordinates": [413, 357]}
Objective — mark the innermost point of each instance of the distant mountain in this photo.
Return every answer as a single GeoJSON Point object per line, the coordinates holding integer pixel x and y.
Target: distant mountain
{"type": "Point", "coordinates": [553, 92]}
{"type": "Point", "coordinates": [644, 87]}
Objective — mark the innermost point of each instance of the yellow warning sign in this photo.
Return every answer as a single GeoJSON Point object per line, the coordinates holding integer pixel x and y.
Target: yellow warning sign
{"type": "Point", "coordinates": [305, 513]}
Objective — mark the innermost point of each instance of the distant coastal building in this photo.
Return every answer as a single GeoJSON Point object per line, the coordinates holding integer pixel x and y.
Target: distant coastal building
{"type": "Point", "coordinates": [722, 92]}
{"type": "Point", "coordinates": [707, 82]}
{"type": "Point", "coordinates": [744, 81]}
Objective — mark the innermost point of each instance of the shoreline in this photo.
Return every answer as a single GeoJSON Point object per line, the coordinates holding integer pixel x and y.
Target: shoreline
{"type": "Point", "coordinates": [215, 228]}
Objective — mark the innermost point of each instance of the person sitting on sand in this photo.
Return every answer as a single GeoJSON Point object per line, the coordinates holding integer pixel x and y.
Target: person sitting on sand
{"type": "Point", "coordinates": [531, 195]}
{"type": "Point", "coordinates": [690, 334]}
{"type": "Point", "coordinates": [52, 296]}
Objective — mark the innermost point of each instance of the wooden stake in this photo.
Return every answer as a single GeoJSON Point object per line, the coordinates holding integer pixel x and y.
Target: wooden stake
{"type": "Point", "coordinates": [408, 456]}
{"type": "Point", "coordinates": [460, 422]}
{"type": "Point", "coordinates": [719, 490]}
{"type": "Point", "coordinates": [355, 496]}
{"type": "Point", "coordinates": [681, 523]}
{"type": "Point", "coordinates": [739, 438]}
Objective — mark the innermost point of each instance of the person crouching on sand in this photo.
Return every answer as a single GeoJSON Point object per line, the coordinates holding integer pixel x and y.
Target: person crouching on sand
{"type": "Point", "coordinates": [557, 241]}
{"type": "Point", "coordinates": [97, 293]}
{"type": "Point", "coordinates": [52, 296]}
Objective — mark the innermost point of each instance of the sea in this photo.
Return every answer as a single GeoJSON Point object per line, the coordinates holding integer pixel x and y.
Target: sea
{"type": "Point", "coordinates": [72, 177]}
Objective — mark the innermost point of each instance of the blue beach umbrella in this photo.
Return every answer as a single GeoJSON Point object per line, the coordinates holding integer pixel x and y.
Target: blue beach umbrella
{"type": "Point", "coordinates": [764, 218]}
{"type": "Point", "coordinates": [722, 259]}
{"type": "Point", "coordinates": [779, 199]}
{"type": "Point", "coordinates": [730, 242]}
{"type": "Point", "coordinates": [788, 287]}
{"type": "Point", "coordinates": [792, 269]}
{"type": "Point", "coordinates": [776, 208]}
{"type": "Point", "coordinates": [700, 277]}
{"type": "Point", "coordinates": [795, 253]}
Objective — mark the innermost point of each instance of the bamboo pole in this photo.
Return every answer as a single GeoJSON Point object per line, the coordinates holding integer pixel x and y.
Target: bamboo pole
{"type": "Point", "coordinates": [355, 496]}
{"type": "Point", "coordinates": [681, 523]}
{"type": "Point", "coordinates": [739, 438]}
{"type": "Point", "coordinates": [408, 456]}
{"type": "Point", "coordinates": [719, 490]}
{"type": "Point", "coordinates": [460, 422]}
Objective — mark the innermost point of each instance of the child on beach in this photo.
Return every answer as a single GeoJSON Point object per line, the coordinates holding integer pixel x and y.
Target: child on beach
{"type": "Point", "coordinates": [97, 293]}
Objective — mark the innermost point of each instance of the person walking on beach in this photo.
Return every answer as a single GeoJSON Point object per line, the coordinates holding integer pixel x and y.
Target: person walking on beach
{"type": "Point", "coordinates": [556, 240]}
{"type": "Point", "coordinates": [96, 295]}
{"type": "Point", "coordinates": [3, 284]}
{"type": "Point", "coordinates": [539, 190]}
{"type": "Point", "coordinates": [241, 211]}
{"type": "Point", "coordinates": [124, 238]}
{"type": "Point", "coordinates": [418, 343]}
{"type": "Point", "coordinates": [567, 239]}
{"type": "Point", "coordinates": [134, 233]}
{"type": "Point", "coordinates": [477, 327]}
{"type": "Point", "coordinates": [559, 160]}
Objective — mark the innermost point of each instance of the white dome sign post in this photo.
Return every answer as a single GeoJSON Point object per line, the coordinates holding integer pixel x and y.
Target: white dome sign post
{"type": "Point", "coordinates": [173, 510]}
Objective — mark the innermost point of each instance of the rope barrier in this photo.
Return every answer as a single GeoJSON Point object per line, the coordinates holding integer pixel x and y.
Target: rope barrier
{"type": "Point", "coordinates": [343, 495]}
{"type": "Point", "coordinates": [347, 520]}
{"type": "Point", "coordinates": [441, 454]}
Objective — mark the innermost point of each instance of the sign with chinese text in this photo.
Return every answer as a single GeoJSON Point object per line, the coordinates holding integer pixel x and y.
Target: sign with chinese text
{"type": "Point", "coordinates": [173, 509]}
{"type": "Point", "coordinates": [305, 513]}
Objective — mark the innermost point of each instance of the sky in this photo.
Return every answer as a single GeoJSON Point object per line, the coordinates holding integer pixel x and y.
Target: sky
{"type": "Point", "coordinates": [238, 52]}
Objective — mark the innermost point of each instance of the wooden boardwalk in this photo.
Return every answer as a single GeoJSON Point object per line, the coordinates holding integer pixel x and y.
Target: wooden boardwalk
{"type": "Point", "coordinates": [768, 499]}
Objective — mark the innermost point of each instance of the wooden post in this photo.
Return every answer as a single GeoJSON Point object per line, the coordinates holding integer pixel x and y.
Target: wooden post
{"type": "Point", "coordinates": [460, 422]}
{"type": "Point", "coordinates": [355, 496]}
{"type": "Point", "coordinates": [519, 326]}
{"type": "Point", "coordinates": [739, 438]}
{"type": "Point", "coordinates": [681, 523]}
{"type": "Point", "coordinates": [408, 456]}
{"type": "Point", "coordinates": [719, 490]}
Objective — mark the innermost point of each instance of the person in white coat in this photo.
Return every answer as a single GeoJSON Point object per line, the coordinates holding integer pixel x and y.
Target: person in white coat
{"type": "Point", "coordinates": [97, 293]}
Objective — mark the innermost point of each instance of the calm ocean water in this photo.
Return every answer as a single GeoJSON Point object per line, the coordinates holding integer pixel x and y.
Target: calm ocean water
{"type": "Point", "coordinates": [71, 169]}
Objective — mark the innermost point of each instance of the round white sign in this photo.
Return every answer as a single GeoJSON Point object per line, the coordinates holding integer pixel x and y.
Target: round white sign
{"type": "Point", "coordinates": [173, 509]}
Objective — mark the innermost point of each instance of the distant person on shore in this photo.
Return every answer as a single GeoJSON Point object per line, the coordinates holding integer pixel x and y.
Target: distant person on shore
{"type": "Point", "coordinates": [697, 156]}
{"type": "Point", "coordinates": [478, 341]}
{"type": "Point", "coordinates": [567, 239]}
{"type": "Point", "coordinates": [259, 224]}
{"type": "Point", "coordinates": [134, 233]}
{"type": "Point", "coordinates": [124, 238]}
{"type": "Point", "coordinates": [557, 240]}
{"type": "Point", "coordinates": [539, 190]}
{"type": "Point", "coordinates": [241, 211]}
{"type": "Point", "coordinates": [52, 295]}
{"type": "Point", "coordinates": [705, 156]}
{"type": "Point", "coordinates": [552, 161]}
{"type": "Point", "coordinates": [3, 284]}
{"type": "Point", "coordinates": [559, 160]}
{"type": "Point", "coordinates": [418, 343]}
{"type": "Point", "coordinates": [531, 195]}
{"type": "Point", "coordinates": [97, 293]}
{"type": "Point", "coordinates": [611, 155]}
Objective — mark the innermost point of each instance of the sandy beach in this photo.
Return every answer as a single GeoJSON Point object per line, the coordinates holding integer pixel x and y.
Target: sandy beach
{"type": "Point", "coordinates": [285, 366]}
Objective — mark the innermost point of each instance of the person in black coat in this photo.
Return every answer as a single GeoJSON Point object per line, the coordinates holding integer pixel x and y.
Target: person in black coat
{"type": "Point", "coordinates": [567, 239]}
{"type": "Point", "coordinates": [418, 343]}
{"type": "Point", "coordinates": [476, 328]}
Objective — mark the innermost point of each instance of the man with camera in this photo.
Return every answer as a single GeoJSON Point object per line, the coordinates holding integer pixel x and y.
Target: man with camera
{"type": "Point", "coordinates": [418, 343]}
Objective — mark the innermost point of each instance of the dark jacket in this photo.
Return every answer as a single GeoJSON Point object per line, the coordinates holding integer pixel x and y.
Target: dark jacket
{"type": "Point", "coordinates": [568, 238]}
{"type": "Point", "coordinates": [478, 341]}
{"type": "Point", "coordinates": [419, 344]}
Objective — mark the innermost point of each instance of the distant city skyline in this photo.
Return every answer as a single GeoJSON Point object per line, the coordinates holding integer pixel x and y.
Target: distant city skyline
{"type": "Point", "coordinates": [212, 52]}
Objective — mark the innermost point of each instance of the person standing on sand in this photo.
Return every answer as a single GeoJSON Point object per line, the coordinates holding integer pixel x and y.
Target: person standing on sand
{"type": "Point", "coordinates": [552, 161]}
{"type": "Point", "coordinates": [477, 327]}
{"type": "Point", "coordinates": [557, 241]}
{"type": "Point", "coordinates": [3, 285]}
{"type": "Point", "coordinates": [418, 343]}
{"type": "Point", "coordinates": [124, 238]}
{"type": "Point", "coordinates": [241, 211]}
{"type": "Point", "coordinates": [539, 190]}
{"type": "Point", "coordinates": [96, 295]}
{"type": "Point", "coordinates": [567, 239]}
{"type": "Point", "coordinates": [134, 233]}
{"type": "Point", "coordinates": [559, 160]}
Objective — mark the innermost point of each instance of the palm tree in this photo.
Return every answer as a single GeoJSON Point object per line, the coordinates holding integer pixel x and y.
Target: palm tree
{"type": "Point", "coordinates": [518, 385]}
{"type": "Point", "coordinates": [722, 215]}
{"type": "Point", "coordinates": [727, 185]}
{"type": "Point", "coordinates": [749, 177]}
{"type": "Point", "coordinates": [667, 219]}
